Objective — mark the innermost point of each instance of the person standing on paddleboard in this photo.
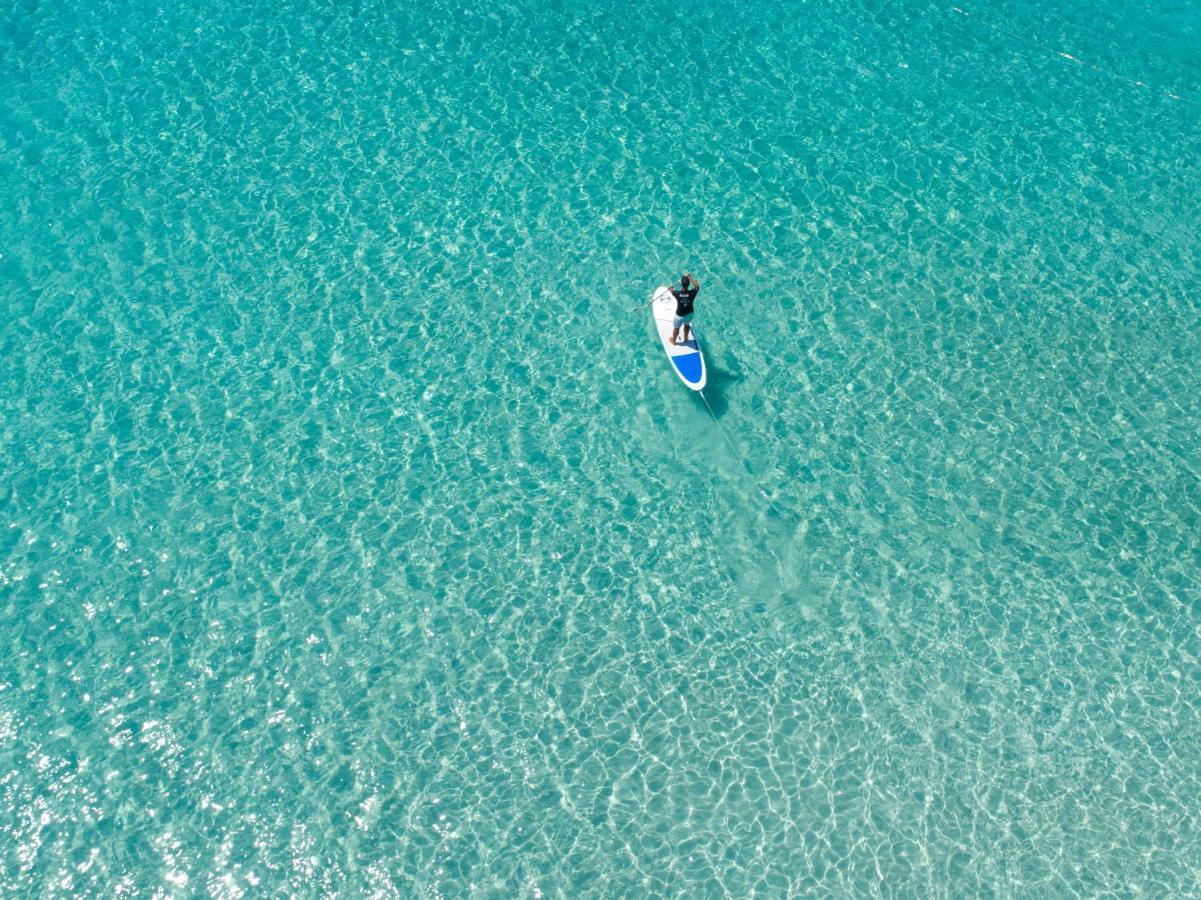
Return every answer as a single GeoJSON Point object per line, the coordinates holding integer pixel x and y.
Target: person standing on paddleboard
{"type": "Point", "coordinates": [685, 295]}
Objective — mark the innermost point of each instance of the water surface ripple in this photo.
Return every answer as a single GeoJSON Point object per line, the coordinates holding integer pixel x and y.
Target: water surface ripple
{"type": "Point", "coordinates": [356, 538]}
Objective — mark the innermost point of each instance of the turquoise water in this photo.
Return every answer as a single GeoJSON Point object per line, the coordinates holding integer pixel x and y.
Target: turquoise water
{"type": "Point", "coordinates": [355, 536]}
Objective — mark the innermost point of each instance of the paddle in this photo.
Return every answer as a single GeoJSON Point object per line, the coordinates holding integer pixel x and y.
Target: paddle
{"type": "Point", "coordinates": [648, 302]}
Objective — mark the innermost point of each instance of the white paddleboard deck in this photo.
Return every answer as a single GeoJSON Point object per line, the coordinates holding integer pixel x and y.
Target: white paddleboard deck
{"type": "Point", "coordinates": [686, 357]}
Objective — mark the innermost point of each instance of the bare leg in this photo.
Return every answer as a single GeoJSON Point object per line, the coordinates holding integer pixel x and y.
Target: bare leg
{"type": "Point", "coordinates": [687, 333]}
{"type": "Point", "coordinates": [674, 332]}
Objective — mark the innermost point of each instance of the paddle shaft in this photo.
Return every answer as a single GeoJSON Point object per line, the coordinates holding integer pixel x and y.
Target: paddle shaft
{"type": "Point", "coordinates": [649, 302]}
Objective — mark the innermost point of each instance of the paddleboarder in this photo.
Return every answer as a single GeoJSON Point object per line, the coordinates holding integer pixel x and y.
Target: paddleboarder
{"type": "Point", "coordinates": [685, 295]}
{"type": "Point", "coordinates": [685, 355]}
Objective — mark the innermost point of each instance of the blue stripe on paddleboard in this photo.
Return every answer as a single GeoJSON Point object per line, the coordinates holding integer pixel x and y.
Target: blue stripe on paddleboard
{"type": "Point", "coordinates": [689, 366]}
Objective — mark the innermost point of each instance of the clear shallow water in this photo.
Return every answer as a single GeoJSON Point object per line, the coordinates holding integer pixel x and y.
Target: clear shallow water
{"type": "Point", "coordinates": [347, 546]}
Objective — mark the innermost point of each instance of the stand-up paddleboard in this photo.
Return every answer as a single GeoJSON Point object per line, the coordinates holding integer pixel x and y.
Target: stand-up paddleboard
{"type": "Point", "coordinates": [686, 357]}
